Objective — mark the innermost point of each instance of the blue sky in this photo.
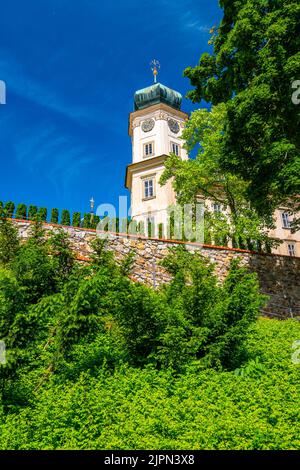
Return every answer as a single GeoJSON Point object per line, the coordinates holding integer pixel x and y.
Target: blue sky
{"type": "Point", "coordinates": [71, 69]}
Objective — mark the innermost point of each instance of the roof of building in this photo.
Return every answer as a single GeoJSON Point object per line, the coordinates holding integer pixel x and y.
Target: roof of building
{"type": "Point", "coordinates": [157, 93]}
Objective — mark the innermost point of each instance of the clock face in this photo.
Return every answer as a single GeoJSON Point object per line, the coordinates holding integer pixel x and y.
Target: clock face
{"type": "Point", "coordinates": [148, 125]}
{"type": "Point", "coordinates": [173, 125]}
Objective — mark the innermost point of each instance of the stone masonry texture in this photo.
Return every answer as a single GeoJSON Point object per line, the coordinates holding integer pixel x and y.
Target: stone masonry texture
{"type": "Point", "coordinates": [279, 276]}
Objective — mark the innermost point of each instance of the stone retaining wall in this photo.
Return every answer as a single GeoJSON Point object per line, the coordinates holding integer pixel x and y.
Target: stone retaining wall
{"type": "Point", "coordinates": [279, 275]}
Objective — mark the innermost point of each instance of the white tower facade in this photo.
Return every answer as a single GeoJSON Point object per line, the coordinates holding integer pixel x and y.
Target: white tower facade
{"type": "Point", "coordinates": [155, 128]}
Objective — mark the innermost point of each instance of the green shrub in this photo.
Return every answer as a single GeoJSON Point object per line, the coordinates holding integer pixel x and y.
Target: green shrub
{"type": "Point", "coordinates": [62, 256]}
{"type": "Point", "coordinates": [76, 219]}
{"type": "Point", "coordinates": [21, 212]}
{"type": "Point", "coordinates": [215, 318]}
{"type": "Point", "coordinates": [54, 216]}
{"type": "Point", "coordinates": [65, 217]}
{"type": "Point", "coordinates": [86, 220]}
{"type": "Point", "coordinates": [9, 209]}
{"type": "Point", "coordinates": [9, 241]}
{"type": "Point", "coordinates": [96, 361]}
{"type": "Point", "coordinates": [132, 408]}
{"type": "Point", "coordinates": [160, 231]}
{"type": "Point", "coordinates": [123, 225]}
{"type": "Point", "coordinates": [34, 271]}
{"type": "Point", "coordinates": [42, 213]}
{"type": "Point", "coordinates": [141, 228]}
{"type": "Point", "coordinates": [10, 301]}
{"type": "Point", "coordinates": [94, 221]}
{"type": "Point", "coordinates": [32, 212]}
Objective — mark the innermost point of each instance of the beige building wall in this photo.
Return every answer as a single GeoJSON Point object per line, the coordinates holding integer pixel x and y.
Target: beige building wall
{"type": "Point", "coordinates": [159, 134]}
{"type": "Point", "coordinates": [290, 241]}
{"type": "Point", "coordinates": [290, 244]}
{"type": "Point", "coordinates": [155, 206]}
{"type": "Point", "coordinates": [143, 167]}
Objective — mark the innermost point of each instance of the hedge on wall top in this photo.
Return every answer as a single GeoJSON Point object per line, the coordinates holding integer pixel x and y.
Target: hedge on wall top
{"type": "Point", "coordinates": [76, 219]}
{"type": "Point", "coordinates": [95, 221]}
{"type": "Point", "coordinates": [87, 220]}
{"type": "Point", "coordinates": [54, 216]}
{"type": "Point", "coordinates": [65, 217]}
{"type": "Point", "coordinates": [9, 208]}
{"type": "Point", "coordinates": [42, 213]}
{"type": "Point", "coordinates": [21, 212]}
{"type": "Point", "coordinates": [32, 212]}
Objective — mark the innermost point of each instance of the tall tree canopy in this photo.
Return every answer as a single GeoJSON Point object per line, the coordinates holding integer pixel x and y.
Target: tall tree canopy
{"type": "Point", "coordinates": [204, 177]}
{"type": "Point", "coordinates": [253, 66]}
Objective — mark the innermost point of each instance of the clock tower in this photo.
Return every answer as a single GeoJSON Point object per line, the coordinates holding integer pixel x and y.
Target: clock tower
{"type": "Point", "coordinates": [155, 128]}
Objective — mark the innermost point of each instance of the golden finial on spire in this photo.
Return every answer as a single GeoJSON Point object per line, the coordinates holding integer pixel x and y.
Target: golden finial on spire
{"type": "Point", "coordinates": [155, 66]}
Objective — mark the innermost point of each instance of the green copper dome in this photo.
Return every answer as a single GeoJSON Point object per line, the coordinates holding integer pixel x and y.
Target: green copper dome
{"type": "Point", "coordinates": [155, 94]}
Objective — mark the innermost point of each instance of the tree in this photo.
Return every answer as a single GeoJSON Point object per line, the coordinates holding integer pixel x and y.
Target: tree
{"type": "Point", "coordinates": [65, 217]}
{"type": "Point", "coordinates": [9, 241]}
{"type": "Point", "coordinates": [32, 212]}
{"type": "Point", "coordinates": [76, 219]}
{"type": "Point", "coordinates": [62, 256]}
{"type": "Point", "coordinates": [9, 209]}
{"type": "Point", "coordinates": [11, 301]}
{"type": "Point", "coordinates": [95, 219]}
{"type": "Point", "coordinates": [54, 216]}
{"type": "Point", "coordinates": [213, 319]}
{"type": "Point", "coordinates": [254, 64]}
{"type": "Point", "coordinates": [204, 176]}
{"type": "Point", "coordinates": [34, 271]}
{"type": "Point", "coordinates": [42, 214]}
{"type": "Point", "coordinates": [161, 230]}
{"type": "Point", "coordinates": [100, 255]}
{"type": "Point", "coordinates": [87, 220]}
{"type": "Point", "coordinates": [37, 232]}
{"type": "Point", "coordinates": [21, 212]}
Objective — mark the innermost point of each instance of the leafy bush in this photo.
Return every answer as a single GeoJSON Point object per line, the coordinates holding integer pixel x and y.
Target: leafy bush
{"type": "Point", "coordinates": [9, 208]}
{"type": "Point", "coordinates": [65, 217]}
{"type": "Point", "coordinates": [215, 318]}
{"type": "Point", "coordinates": [87, 220]}
{"type": "Point", "coordinates": [21, 212]}
{"type": "Point", "coordinates": [149, 409]}
{"type": "Point", "coordinates": [160, 230]}
{"type": "Point", "coordinates": [9, 241]}
{"type": "Point", "coordinates": [97, 361]}
{"type": "Point", "coordinates": [32, 212]}
{"type": "Point", "coordinates": [94, 221]}
{"type": "Point", "coordinates": [54, 216]}
{"type": "Point", "coordinates": [34, 271]}
{"type": "Point", "coordinates": [62, 255]}
{"type": "Point", "coordinates": [42, 213]}
{"type": "Point", "coordinates": [76, 219]}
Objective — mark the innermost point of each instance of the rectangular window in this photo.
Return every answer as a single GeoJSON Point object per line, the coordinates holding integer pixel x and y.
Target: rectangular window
{"type": "Point", "coordinates": [148, 188]}
{"type": "Point", "coordinates": [149, 149]}
{"type": "Point", "coordinates": [217, 208]}
{"type": "Point", "coordinates": [175, 148]}
{"type": "Point", "coordinates": [291, 249]}
{"type": "Point", "coordinates": [285, 220]}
